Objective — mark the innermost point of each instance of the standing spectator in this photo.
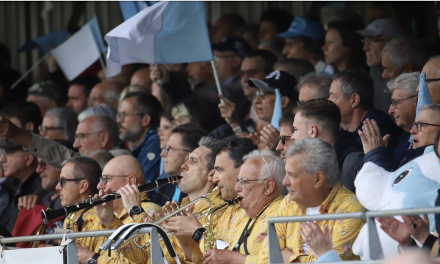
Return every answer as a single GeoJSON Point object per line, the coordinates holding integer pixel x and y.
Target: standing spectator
{"type": "Point", "coordinates": [273, 22]}
{"type": "Point", "coordinates": [303, 40]}
{"type": "Point", "coordinates": [79, 91]}
{"type": "Point", "coordinates": [343, 47]}
{"type": "Point", "coordinates": [402, 55]}
{"type": "Point", "coordinates": [376, 36]}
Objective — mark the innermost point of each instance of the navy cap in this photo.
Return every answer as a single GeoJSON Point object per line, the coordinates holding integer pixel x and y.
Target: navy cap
{"type": "Point", "coordinates": [281, 80]}
{"type": "Point", "coordinates": [304, 27]}
{"type": "Point", "coordinates": [235, 44]}
{"type": "Point", "coordinates": [382, 26]}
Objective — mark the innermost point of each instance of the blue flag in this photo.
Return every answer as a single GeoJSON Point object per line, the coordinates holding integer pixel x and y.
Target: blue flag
{"type": "Point", "coordinates": [46, 42]}
{"type": "Point", "coordinates": [277, 110]}
{"type": "Point", "coordinates": [96, 31]}
{"type": "Point", "coordinates": [164, 33]}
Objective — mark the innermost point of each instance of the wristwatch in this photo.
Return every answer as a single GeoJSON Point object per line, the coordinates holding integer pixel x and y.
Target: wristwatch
{"type": "Point", "coordinates": [93, 259]}
{"type": "Point", "coordinates": [198, 234]}
{"type": "Point", "coordinates": [136, 210]}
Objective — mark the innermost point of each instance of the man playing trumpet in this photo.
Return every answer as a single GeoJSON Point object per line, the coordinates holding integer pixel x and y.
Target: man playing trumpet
{"type": "Point", "coordinates": [241, 228]}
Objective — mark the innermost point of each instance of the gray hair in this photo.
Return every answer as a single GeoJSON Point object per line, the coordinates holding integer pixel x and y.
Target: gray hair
{"type": "Point", "coordinates": [273, 167]}
{"type": "Point", "coordinates": [321, 81]}
{"type": "Point", "coordinates": [407, 82]}
{"type": "Point", "coordinates": [101, 156]}
{"type": "Point", "coordinates": [101, 109]}
{"type": "Point", "coordinates": [321, 156]}
{"type": "Point", "coordinates": [65, 118]}
{"type": "Point", "coordinates": [402, 50]}
{"type": "Point", "coordinates": [213, 145]}
{"type": "Point", "coordinates": [432, 107]}
{"type": "Point", "coordinates": [112, 95]}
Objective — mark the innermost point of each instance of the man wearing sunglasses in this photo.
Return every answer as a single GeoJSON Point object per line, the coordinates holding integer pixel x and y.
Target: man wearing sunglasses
{"type": "Point", "coordinates": [121, 174]}
{"type": "Point", "coordinates": [286, 130]}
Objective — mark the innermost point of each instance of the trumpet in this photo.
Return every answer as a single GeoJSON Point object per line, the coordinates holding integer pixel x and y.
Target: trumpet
{"type": "Point", "coordinates": [50, 215]}
{"type": "Point", "coordinates": [209, 232]}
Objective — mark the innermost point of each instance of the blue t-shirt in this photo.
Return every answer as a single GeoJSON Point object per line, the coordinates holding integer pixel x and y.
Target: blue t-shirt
{"type": "Point", "coordinates": [148, 154]}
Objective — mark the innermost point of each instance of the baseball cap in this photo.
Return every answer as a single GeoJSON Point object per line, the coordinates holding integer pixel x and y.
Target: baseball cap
{"type": "Point", "coordinates": [9, 144]}
{"type": "Point", "coordinates": [304, 27]}
{"type": "Point", "coordinates": [382, 26]}
{"type": "Point", "coordinates": [281, 80]}
{"type": "Point", "coordinates": [235, 44]}
{"type": "Point", "coordinates": [47, 89]}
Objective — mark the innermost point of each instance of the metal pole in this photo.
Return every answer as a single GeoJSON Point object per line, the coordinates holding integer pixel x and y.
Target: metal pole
{"type": "Point", "coordinates": [217, 81]}
{"type": "Point", "coordinates": [68, 235]}
{"type": "Point", "coordinates": [29, 71]}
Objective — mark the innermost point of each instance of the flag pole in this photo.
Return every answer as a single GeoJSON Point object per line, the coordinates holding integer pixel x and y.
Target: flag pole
{"type": "Point", "coordinates": [217, 81]}
{"type": "Point", "coordinates": [30, 70]}
{"type": "Point", "coordinates": [103, 66]}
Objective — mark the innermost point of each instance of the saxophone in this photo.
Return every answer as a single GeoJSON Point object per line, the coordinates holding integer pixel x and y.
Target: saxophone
{"type": "Point", "coordinates": [209, 239]}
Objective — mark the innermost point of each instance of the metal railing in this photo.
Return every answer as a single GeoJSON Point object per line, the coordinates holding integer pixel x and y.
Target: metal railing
{"type": "Point", "coordinates": [72, 249]}
{"type": "Point", "coordinates": [375, 253]}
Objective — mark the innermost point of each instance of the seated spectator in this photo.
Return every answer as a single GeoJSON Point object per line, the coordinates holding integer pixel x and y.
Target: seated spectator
{"type": "Point", "coordinates": [105, 93]}
{"type": "Point", "coordinates": [313, 86]}
{"type": "Point", "coordinates": [21, 165]}
{"type": "Point", "coordinates": [101, 156]}
{"type": "Point", "coordinates": [296, 67]}
{"type": "Point", "coordinates": [403, 109]}
{"type": "Point", "coordinates": [286, 131]}
{"type": "Point", "coordinates": [352, 92]}
{"type": "Point", "coordinates": [101, 109]}
{"type": "Point", "coordinates": [168, 87]}
{"type": "Point", "coordinates": [131, 89]}
{"type": "Point", "coordinates": [273, 22]}
{"type": "Point", "coordinates": [275, 46]}
{"type": "Point", "coordinates": [79, 91]}
{"type": "Point", "coordinates": [138, 119]}
{"type": "Point", "coordinates": [426, 126]}
{"type": "Point", "coordinates": [402, 55]}
{"type": "Point", "coordinates": [320, 118]}
{"type": "Point", "coordinates": [343, 47]}
{"type": "Point", "coordinates": [431, 68]}
{"type": "Point", "coordinates": [59, 123]}
{"type": "Point", "coordinates": [376, 35]}
{"type": "Point", "coordinates": [46, 95]}
{"type": "Point", "coordinates": [141, 78]}
{"type": "Point", "coordinates": [303, 40]}
{"type": "Point", "coordinates": [228, 25]}
{"type": "Point", "coordinates": [312, 181]}
{"type": "Point", "coordinates": [25, 115]}
{"type": "Point", "coordinates": [250, 35]}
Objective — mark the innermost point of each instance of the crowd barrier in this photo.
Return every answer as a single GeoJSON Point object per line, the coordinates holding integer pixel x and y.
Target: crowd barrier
{"type": "Point", "coordinates": [376, 254]}
{"type": "Point", "coordinates": [71, 248]}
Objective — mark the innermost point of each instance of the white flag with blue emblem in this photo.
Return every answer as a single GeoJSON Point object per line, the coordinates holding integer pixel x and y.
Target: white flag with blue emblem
{"type": "Point", "coordinates": [164, 33]}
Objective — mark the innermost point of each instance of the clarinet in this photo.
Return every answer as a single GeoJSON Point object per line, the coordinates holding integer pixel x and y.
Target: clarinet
{"type": "Point", "coordinates": [50, 215]}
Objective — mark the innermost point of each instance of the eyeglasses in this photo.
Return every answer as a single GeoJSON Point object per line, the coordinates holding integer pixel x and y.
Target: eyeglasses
{"type": "Point", "coordinates": [44, 129]}
{"type": "Point", "coordinates": [105, 178]}
{"type": "Point", "coordinates": [432, 80]}
{"type": "Point", "coordinates": [283, 139]}
{"type": "Point", "coordinates": [373, 41]}
{"type": "Point", "coordinates": [420, 124]}
{"type": "Point", "coordinates": [62, 181]}
{"type": "Point", "coordinates": [42, 165]}
{"type": "Point", "coordinates": [395, 102]}
{"type": "Point", "coordinates": [243, 182]}
{"type": "Point", "coordinates": [81, 136]}
{"type": "Point", "coordinates": [219, 57]}
{"type": "Point", "coordinates": [250, 72]}
{"type": "Point", "coordinates": [122, 115]}
{"type": "Point", "coordinates": [263, 93]}
{"type": "Point", "coordinates": [168, 148]}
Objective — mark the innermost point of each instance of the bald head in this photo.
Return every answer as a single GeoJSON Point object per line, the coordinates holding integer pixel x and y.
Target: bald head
{"type": "Point", "coordinates": [432, 70]}
{"type": "Point", "coordinates": [125, 165]}
{"type": "Point", "coordinates": [105, 93]}
{"type": "Point", "coordinates": [142, 78]}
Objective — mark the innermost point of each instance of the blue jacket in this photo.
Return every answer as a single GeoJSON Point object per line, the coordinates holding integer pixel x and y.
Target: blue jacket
{"type": "Point", "coordinates": [148, 154]}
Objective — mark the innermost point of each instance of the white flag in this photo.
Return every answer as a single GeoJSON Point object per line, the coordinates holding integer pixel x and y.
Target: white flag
{"type": "Point", "coordinates": [77, 53]}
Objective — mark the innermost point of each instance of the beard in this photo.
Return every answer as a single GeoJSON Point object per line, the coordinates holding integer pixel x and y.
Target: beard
{"type": "Point", "coordinates": [132, 134]}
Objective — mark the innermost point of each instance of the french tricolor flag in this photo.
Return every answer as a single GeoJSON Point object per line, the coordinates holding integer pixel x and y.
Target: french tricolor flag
{"type": "Point", "coordinates": [164, 33]}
